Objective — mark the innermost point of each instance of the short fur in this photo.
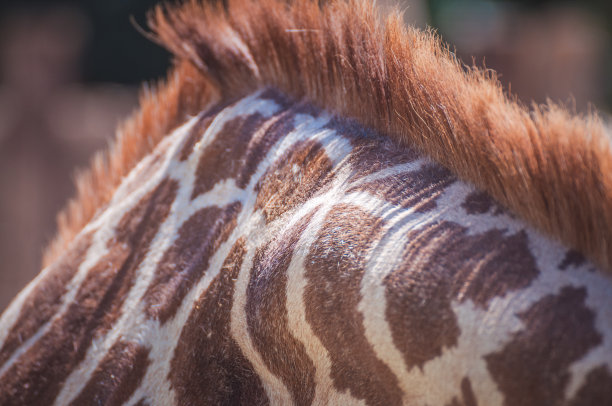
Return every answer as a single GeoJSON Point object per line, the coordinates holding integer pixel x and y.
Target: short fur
{"type": "Point", "coordinates": [551, 168]}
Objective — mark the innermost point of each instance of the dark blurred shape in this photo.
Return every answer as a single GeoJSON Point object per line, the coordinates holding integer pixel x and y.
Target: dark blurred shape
{"type": "Point", "coordinates": [542, 49]}
{"type": "Point", "coordinates": [49, 125]}
{"type": "Point", "coordinates": [114, 51]}
{"type": "Point", "coordinates": [41, 51]}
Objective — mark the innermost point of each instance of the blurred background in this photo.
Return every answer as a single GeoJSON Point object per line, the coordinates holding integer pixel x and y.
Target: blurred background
{"type": "Point", "coordinates": [70, 71]}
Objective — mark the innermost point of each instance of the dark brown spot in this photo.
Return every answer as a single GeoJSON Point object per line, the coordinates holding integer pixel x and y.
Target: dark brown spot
{"type": "Point", "coordinates": [44, 367]}
{"type": "Point", "coordinates": [224, 157]}
{"type": "Point", "coordinates": [276, 96]}
{"type": "Point", "coordinates": [418, 189]}
{"type": "Point", "coordinates": [282, 124]}
{"type": "Point", "coordinates": [419, 301]}
{"type": "Point", "coordinates": [46, 298]}
{"type": "Point", "coordinates": [441, 264]}
{"type": "Point", "coordinates": [334, 269]}
{"type": "Point", "coordinates": [467, 395]}
{"type": "Point", "coordinates": [469, 399]}
{"type": "Point", "coordinates": [572, 258]}
{"type": "Point", "coordinates": [186, 261]}
{"type": "Point", "coordinates": [363, 140]}
{"type": "Point", "coordinates": [532, 369]}
{"type": "Point", "coordinates": [597, 389]}
{"type": "Point", "coordinates": [372, 153]}
{"type": "Point", "coordinates": [208, 367]}
{"type": "Point", "coordinates": [478, 202]}
{"type": "Point", "coordinates": [267, 319]}
{"type": "Point", "coordinates": [117, 376]}
{"type": "Point", "coordinates": [293, 179]}
{"type": "Point", "coordinates": [199, 128]}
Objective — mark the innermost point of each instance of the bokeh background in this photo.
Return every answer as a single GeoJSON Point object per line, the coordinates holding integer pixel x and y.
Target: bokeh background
{"type": "Point", "coordinates": [70, 71]}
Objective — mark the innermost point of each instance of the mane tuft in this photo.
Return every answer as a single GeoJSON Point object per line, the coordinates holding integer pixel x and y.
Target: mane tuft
{"type": "Point", "coordinates": [550, 168]}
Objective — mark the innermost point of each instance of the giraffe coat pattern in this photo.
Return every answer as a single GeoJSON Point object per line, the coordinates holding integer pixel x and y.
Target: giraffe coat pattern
{"type": "Point", "coordinates": [306, 273]}
{"type": "Point", "coordinates": [319, 207]}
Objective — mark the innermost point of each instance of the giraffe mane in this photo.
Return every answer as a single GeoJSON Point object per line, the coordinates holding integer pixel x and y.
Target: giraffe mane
{"type": "Point", "coordinates": [549, 167]}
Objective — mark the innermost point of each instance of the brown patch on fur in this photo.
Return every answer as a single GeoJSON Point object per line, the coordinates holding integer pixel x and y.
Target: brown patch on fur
{"type": "Point", "coordinates": [370, 152]}
{"type": "Point", "coordinates": [46, 298]}
{"type": "Point", "coordinates": [479, 202]}
{"type": "Point", "coordinates": [222, 159]}
{"type": "Point", "coordinates": [419, 189]}
{"type": "Point", "coordinates": [336, 264]}
{"type": "Point", "coordinates": [369, 158]}
{"type": "Point", "coordinates": [208, 367]}
{"type": "Point", "coordinates": [533, 368]}
{"type": "Point", "coordinates": [572, 258]}
{"type": "Point", "coordinates": [282, 100]}
{"type": "Point", "coordinates": [441, 264]}
{"type": "Point", "coordinates": [200, 127]}
{"type": "Point", "coordinates": [597, 389]}
{"type": "Point", "coordinates": [186, 261]}
{"type": "Point", "coordinates": [467, 395]}
{"type": "Point", "coordinates": [294, 178]}
{"type": "Point", "coordinates": [117, 376]}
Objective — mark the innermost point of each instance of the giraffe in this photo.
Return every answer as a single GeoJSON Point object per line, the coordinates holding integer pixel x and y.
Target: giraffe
{"type": "Point", "coordinates": [323, 207]}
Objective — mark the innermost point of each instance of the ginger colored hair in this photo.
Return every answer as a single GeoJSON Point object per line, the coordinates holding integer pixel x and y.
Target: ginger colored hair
{"type": "Point", "coordinates": [551, 168]}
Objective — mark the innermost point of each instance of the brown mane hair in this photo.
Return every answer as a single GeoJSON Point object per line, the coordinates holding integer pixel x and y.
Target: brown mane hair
{"type": "Point", "coordinates": [552, 169]}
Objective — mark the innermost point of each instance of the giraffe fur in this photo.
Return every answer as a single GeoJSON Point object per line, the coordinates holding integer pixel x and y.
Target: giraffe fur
{"type": "Point", "coordinates": [547, 166]}
{"type": "Point", "coordinates": [257, 238]}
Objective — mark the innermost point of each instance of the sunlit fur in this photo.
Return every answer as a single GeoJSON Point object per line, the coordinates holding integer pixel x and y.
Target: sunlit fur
{"type": "Point", "coordinates": [551, 168]}
{"type": "Point", "coordinates": [266, 250]}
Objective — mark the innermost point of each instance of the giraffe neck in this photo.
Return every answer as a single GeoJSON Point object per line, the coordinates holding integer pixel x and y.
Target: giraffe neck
{"type": "Point", "coordinates": [268, 252]}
